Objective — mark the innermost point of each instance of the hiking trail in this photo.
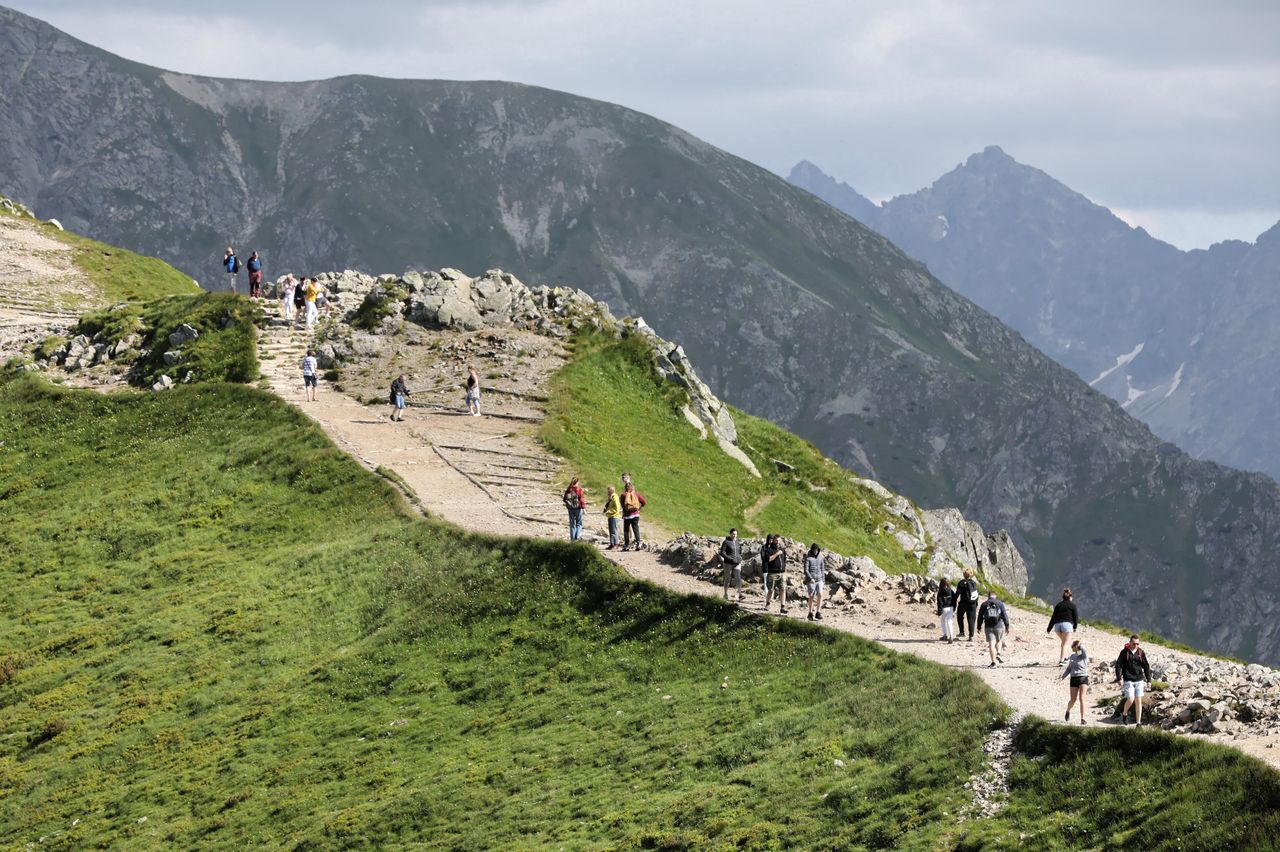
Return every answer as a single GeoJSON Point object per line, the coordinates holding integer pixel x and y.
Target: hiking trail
{"type": "Point", "coordinates": [490, 474]}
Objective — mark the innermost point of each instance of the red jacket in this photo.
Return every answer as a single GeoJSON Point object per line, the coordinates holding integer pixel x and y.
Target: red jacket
{"type": "Point", "coordinates": [632, 503]}
{"type": "Point", "coordinates": [575, 489]}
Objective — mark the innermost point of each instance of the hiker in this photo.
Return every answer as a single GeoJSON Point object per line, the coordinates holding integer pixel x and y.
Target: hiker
{"type": "Point", "coordinates": [773, 558]}
{"type": "Point", "coordinates": [1064, 622]}
{"type": "Point", "coordinates": [967, 603]}
{"type": "Point", "coordinates": [574, 499]}
{"type": "Point", "coordinates": [309, 375]}
{"type": "Point", "coordinates": [309, 294]}
{"type": "Point", "coordinates": [399, 390]}
{"type": "Point", "coordinates": [947, 610]}
{"type": "Point", "coordinates": [1135, 673]}
{"type": "Point", "coordinates": [286, 298]}
{"type": "Point", "coordinates": [473, 393]}
{"type": "Point", "coordinates": [255, 276]}
{"type": "Point", "coordinates": [815, 574]}
{"type": "Point", "coordinates": [299, 299]}
{"type": "Point", "coordinates": [731, 556]}
{"type": "Point", "coordinates": [632, 502]}
{"type": "Point", "coordinates": [994, 619]}
{"type": "Point", "coordinates": [231, 264]}
{"type": "Point", "coordinates": [1077, 669]}
{"type": "Point", "coordinates": [613, 514]}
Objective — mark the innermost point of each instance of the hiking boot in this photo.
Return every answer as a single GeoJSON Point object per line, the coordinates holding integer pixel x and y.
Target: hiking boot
{"type": "Point", "coordinates": [1083, 722]}
{"type": "Point", "coordinates": [1124, 719]}
{"type": "Point", "coordinates": [817, 616]}
{"type": "Point", "coordinates": [991, 665]}
{"type": "Point", "coordinates": [783, 611]}
{"type": "Point", "coordinates": [1066, 717]}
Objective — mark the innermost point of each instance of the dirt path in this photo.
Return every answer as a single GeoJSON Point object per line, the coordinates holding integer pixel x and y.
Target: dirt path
{"type": "Point", "coordinates": [489, 474]}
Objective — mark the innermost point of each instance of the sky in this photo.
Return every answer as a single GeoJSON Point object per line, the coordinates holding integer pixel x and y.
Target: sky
{"type": "Point", "coordinates": [1167, 112]}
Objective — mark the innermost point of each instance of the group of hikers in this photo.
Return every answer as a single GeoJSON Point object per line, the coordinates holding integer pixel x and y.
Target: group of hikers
{"type": "Point", "coordinates": [302, 300]}
{"type": "Point", "coordinates": [621, 510]}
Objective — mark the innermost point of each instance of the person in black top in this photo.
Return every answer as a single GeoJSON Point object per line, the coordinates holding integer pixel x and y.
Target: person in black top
{"type": "Point", "coordinates": [731, 556]}
{"type": "Point", "coordinates": [967, 602]}
{"type": "Point", "coordinates": [995, 621]}
{"type": "Point", "coordinates": [947, 610]}
{"type": "Point", "coordinates": [1064, 622]}
{"type": "Point", "coordinates": [1134, 673]}
{"type": "Point", "coordinates": [773, 556]}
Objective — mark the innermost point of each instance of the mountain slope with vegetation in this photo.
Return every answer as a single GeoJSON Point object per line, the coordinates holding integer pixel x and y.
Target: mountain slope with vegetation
{"type": "Point", "coordinates": [789, 309]}
{"type": "Point", "coordinates": [248, 640]}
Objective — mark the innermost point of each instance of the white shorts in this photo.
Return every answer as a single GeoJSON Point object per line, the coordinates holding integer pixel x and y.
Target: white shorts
{"type": "Point", "coordinates": [1063, 627]}
{"type": "Point", "coordinates": [1134, 688]}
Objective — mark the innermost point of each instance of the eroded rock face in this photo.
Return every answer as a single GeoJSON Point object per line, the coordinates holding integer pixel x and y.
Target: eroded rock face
{"type": "Point", "coordinates": [960, 543]}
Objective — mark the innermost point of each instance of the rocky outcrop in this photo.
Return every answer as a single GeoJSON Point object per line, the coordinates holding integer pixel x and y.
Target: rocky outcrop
{"type": "Point", "coordinates": [959, 543]}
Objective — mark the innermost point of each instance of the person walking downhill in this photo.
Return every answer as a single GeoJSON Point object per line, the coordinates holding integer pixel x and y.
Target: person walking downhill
{"type": "Point", "coordinates": [309, 366]}
{"type": "Point", "coordinates": [1077, 670]}
{"type": "Point", "coordinates": [731, 556]}
{"type": "Point", "coordinates": [815, 574]}
{"type": "Point", "coordinates": [994, 619]}
{"type": "Point", "coordinates": [1134, 672]}
{"type": "Point", "coordinates": [309, 294]}
{"type": "Point", "coordinates": [1064, 622]}
{"type": "Point", "coordinates": [255, 276]}
{"type": "Point", "coordinates": [967, 603]}
{"type": "Point", "coordinates": [286, 298]}
{"type": "Point", "coordinates": [947, 610]}
{"type": "Point", "coordinates": [399, 390]}
{"type": "Point", "coordinates": [632, 502]}
{"type": "Point", "coordinates": [473, 392]}
{"type": "Point", "coordinates": [613, 514]}
{"type": "Point", "coordinates": [574, 499]}
{"type": "Point", "coordinates": [773, 558]}
{"type": "Point", "coordinates": [231, 264]}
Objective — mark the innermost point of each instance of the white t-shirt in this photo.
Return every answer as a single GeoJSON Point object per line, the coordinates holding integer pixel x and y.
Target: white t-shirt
{"type": "Point", "coordinates": [309, 365]}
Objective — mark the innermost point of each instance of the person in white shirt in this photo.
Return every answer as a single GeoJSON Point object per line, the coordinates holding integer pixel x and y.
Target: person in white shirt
{"type": "Point", "coordinates": [309, 367]}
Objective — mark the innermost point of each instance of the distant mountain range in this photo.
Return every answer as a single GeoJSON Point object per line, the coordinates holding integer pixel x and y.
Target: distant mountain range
{"type": "Point", "coordinates": [1185, 341]}
{"type": "Point", "coordinates": [787, 307]}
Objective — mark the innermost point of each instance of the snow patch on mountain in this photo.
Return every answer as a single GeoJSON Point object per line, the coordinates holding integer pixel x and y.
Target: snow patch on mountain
{"type": "Point", "coordinates": [1177, 381]}
{"type": "Point", "coordinates": [1121, 361]}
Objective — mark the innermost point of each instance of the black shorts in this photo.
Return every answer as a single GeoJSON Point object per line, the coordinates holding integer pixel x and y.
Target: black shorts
{"type": "Point", "coordinates": [308, 381]}
{"type": "Point", "coordinates": [1079, 680]}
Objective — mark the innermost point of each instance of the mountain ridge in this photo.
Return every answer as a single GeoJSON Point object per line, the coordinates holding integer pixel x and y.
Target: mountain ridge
{"type": "Point", "coordinates": [788, 309]}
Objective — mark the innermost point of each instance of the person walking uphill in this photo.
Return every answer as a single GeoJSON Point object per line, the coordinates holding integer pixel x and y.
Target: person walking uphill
{"type": "Point", "coordinates": [255, 276]}
{"type": "Point", "coordinates": [773, 558]}
{"type": "Point", "coordinates": [1134, 672]}
{"type": "Point", "coordinates": [947, 610]}
{"type": "Point", "coordinates": [1064, 622]}
{"type": "Point", "coordinates": [399, 390]}
{"type": "Point", "coordinates": [815, 574]}
{"type": "Point", "coordinates": [632, 502]}
{"type": "Point", "coordinates": [731, 556]}
{"type": "Point", "coordinates": [231, 264]}
{"type": "Point", "coordinates": [613, 514]}
{"type": "Point", "coordinates": [967, 603]}
{"type": "Point", "coordinates": [1077, 669]}
{"type": "Point", "coordinates": [574, 499]}
{"type": "Point", "coordinates": [994, 619]}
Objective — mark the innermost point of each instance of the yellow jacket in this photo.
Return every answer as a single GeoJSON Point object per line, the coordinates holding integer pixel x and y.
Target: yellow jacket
{"type": "Point", "coordinates": [613, 506]}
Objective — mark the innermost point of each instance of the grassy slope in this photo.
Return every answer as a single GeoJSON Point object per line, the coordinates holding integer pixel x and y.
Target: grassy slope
{"type": "Point", "coordinates": [217, 619]}
{"type": "Point", "coordinates": [609, 412]}
{"type": "Point", "coordinates": [120, 275]}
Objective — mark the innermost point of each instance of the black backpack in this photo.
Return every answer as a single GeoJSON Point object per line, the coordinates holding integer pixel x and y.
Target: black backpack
{"type": "Point", "coordinates": [235, 269]}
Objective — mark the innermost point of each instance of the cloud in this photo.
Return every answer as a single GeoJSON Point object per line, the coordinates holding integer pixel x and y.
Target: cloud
{"type": "Point", "coordinates": [1165, 106]}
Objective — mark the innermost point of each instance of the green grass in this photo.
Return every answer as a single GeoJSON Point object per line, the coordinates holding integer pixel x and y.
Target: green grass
{"type": "Point", "coordinates": [1123, 789]}
{"type": "Point", "coordinates": [610, 412]}
{"type": "Point", "coordinates": [215, 621]}
{"type": "Point", "coordinates": [225, 351]}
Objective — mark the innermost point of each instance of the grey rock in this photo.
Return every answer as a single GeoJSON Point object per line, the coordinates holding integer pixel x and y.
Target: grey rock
{"type": "Point", "coordinates": [164, 382]}
{"type": "Point", "coordinates": [172, 357]}
{"type": "Point", "coordinates": [184, 334]}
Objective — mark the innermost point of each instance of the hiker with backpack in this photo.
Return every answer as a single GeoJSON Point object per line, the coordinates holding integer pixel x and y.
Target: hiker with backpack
{"type": "Point", "coordinates": [632, 502]}
{"type": "Point", "coordinates": [815, 574]}
{"type": "Point", "coordinates": [947, 610]}
{"type": "Point", "coordinates": [613, 514]}
{"type": "Point", "coordinates": [967, 603]}
{"type": "Point", "coordinates": [255, 276]}
{"type": "Point", "coordinates": [1064, 622]}
{"type": "Point", "coordinates": [473, 392]}
{"type": "Point", "coordinates": [1134, 672]}
{"type": "Point", "coordinates": [399, 390]}
{"type": "Point", "coordinates": [731, 556]}
{"type": "Point", "coordinates": [773, 559]}
{"type": "Point", "coordinates": [231, 264]}
{"type": "Point", "coordinates": [1077, 670]}
{"type": "Point", "coordinates": [574, 499]}
{"type": "Point", "coordinates": [309, 367]}
{"type": "Point", "coordinates": [994, 619]}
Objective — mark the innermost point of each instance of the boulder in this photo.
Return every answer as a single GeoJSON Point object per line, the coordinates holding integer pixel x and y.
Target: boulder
{"type": "Point", "coordinates": [172, 357]}
{"type": "Point", "coordinates": [184, 334]}
{"type": "Point", "coordinates": [162, 383]}
{"type": "Point", "coordinates": [966, 545]}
